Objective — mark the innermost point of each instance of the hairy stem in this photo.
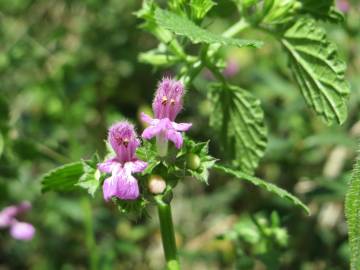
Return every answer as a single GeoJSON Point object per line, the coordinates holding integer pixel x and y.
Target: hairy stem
{"type": "Point", "coordinates": [168, 235]}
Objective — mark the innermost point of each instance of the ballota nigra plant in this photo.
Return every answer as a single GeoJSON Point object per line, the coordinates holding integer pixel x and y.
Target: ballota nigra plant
{"type": "Point", "coordinates": [139, 173]}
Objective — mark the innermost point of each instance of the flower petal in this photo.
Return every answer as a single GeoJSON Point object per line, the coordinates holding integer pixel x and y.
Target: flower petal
{"type": "Point", "coordinates": [128, 188]}
{"type": "Point", "coordinates": [122, 185]}
{"type": "Point", "coordinates": [175, 137]}
{"type": "Point", "coordinates": [109, 188]}
{"type": "Point", "coordinates": [151, 131]}
{"type": "Point", "coordinates": [108, 165]}
{"type": "Point", "coordinates": [181, 126]}
{"type": "Point", "coordinates": [146, 118]}
{"type": "Point", "coordinates": [135, 166]}
{"type": "Point", "coordinates": [22, 231]}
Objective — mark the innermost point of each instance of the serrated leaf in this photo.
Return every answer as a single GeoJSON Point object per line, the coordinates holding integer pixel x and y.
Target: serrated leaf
{"type": "Point", "coordinates": [62, 178]}
{"type": "Point", "coordinates": [239, 118]}
{"type": "Point", "coordinates": [352, 213]}
{"type": "Point", "coordinates": [184, 27]}
{"type": "Point", "coordinates": [90, 180]}
{"type": "Point", "coordinates": [322, 10]}
{"type": "Point", "coordinates": [282, 193]}
{"type": "Point", "coordinates": [317, 69]}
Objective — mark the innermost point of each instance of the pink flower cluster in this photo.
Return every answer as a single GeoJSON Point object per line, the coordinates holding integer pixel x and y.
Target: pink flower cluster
{"type": "Point", "coordinates": [123, 139]}
{"type": "Point", "coordinates": [18, 230]}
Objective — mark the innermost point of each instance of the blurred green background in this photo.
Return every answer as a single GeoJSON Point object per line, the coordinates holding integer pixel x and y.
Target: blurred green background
{"type": "Point", "coordinates": [68, 69]}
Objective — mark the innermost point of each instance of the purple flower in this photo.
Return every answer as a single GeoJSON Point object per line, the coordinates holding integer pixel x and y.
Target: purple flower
{"type": "Point", "coordinates": [121, 183]}
{"type": "Point", "coordinates": [166, 106]}
{"type": "Point", "coordinates": [343, 5]}
{"type": "Point", "coordinates": [18, 230]}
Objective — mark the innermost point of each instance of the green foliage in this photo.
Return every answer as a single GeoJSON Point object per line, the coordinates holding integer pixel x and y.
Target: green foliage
{"type": "Point", "coordinates": [148, 153]}
{"type": "Point", "coordinates": [183, 27]}
{"type": "Point", "coordinates": [317, 69]}
{"type": "Point", "coordinates": [352, 212]}
{"type": "Point", "coordinates": [1, 144]}
{"type": "Point", "coordinates": [63, 178]}
{"type": "Point", "coordinates": [265, 185]}
{"type": "Point", "coordinates": [322, 10]}
{"type": "Point", "coordinates": [90, 180]}
{"type": "Point", "coordinates": [265, 236]}
{"type": "Point", "coordinates": [200, 8]}
{"type": "Point", "coordinates": [239, 119]}
{"type": "Point", "coordinates": [196, 159]}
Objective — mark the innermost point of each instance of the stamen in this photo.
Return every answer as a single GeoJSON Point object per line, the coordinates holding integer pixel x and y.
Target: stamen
{"type": "Point", "coordinates": [164, 100]}
{"type": "Point", "coordinates": [118, 139]}
{"type": "Point", "coordinates": [172, 101]}
{"type": "Point", "coordinates": [126, 142]}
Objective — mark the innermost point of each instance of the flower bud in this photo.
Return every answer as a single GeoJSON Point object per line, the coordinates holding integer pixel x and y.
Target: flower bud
{"type": "Point", "coordinates": [193, 161]}
{"type": "Point", "coordinates": [157, 184]}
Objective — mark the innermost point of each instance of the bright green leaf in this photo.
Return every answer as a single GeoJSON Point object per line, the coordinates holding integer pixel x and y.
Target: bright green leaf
{"type": "Point", "coordinates": [317, 69]}
{"type": "Point", "coordinates": [239, 118]}
{"type": "Point", "coordinates": [352, 212]}
{"type": "Point", "coordinates": [62, 178]}
{"type": "Point", "coordinates": [184, 27]}
{"type": "Point", "coordinates": [282, 193]}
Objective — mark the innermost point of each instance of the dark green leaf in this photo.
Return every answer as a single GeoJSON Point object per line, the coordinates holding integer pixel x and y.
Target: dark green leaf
{"type": "Point", "coordinates": [322, 10]}
{"type": "Point", "coordinates": [282, 193]}
{"type": "Point", "coordinates": [318, 69]}
{"type": "Point", "coordinates": [184, 27]}
{"type": "Point", "coordinates": [62, 178]}
{"type": "Point", "coordinates": [239, 118]}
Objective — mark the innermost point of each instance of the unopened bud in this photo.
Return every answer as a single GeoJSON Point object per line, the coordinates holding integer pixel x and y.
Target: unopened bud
{"type": "Point", "coordinates": [193, 161]}
{"type": "Point", "coordinates": [157, 184]}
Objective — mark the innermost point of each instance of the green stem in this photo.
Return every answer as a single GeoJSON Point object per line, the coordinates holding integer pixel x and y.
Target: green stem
{"type": "Point", "coordinates": [236, 28]}
{"type": "Point", "coordinates": [89, 233]}
{"type": "Point", "coordinates": [168, 235]}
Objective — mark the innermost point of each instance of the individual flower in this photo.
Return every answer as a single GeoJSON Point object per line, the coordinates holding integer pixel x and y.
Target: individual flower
{"type": "Point", "coordinates": [18, 230]}
{"type": "Point", "coordinates": [167, 103]}
{"type": "Point", "coordinates": [122, 184]}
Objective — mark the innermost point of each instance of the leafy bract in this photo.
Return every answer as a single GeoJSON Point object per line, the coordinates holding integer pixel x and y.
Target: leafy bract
{"type": "Point", "coordinates": [197, 160]}
{"type": "Point", "coordinates": [239, 118]}
{"type": "Point", "coordinates": [317, 69]}
{"type": "Point", "coordinates": [90, 180]}
{"type": "Point", "coordinates": [184, 27]}
{"type": "Point", "coordinates": [62, 178]}
{"type": "Point", "coordinates": [282, 193]}
{"type": "Point", "coordinates": [352, 212]}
